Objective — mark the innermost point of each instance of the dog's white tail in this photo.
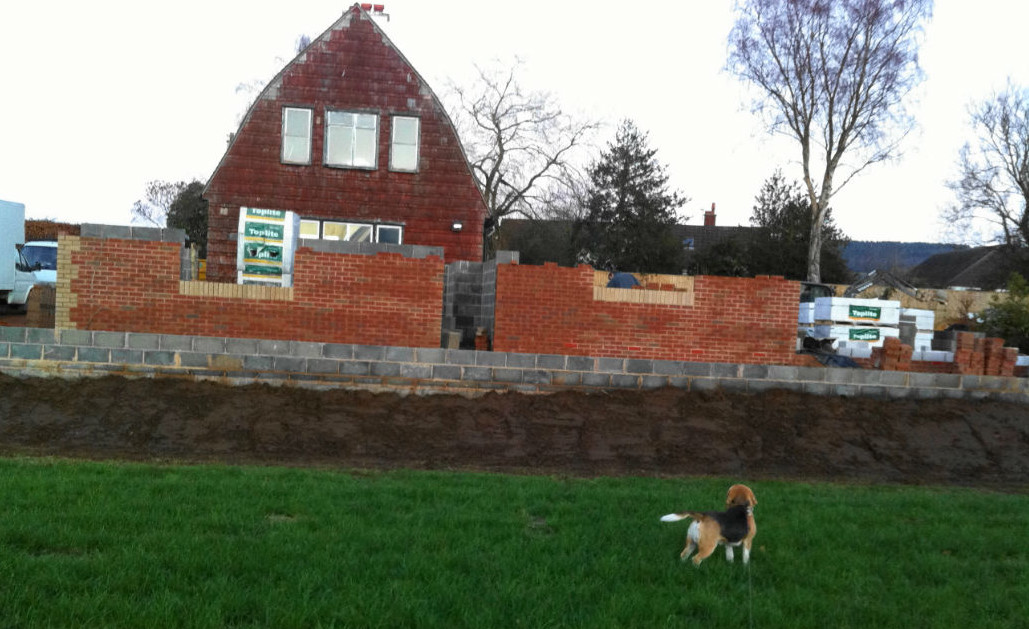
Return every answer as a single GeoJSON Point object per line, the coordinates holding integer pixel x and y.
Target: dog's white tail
{"type": "Point", "coordinates": [674, 517]}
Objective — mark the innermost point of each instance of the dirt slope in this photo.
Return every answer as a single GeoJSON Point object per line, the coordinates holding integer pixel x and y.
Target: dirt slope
{"type": "Point", "coordinates": [668, 432]}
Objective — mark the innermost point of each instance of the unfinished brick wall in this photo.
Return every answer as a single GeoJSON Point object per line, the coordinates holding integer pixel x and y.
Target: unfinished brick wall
{"type": "Point", "coordinates": [133, 285]}
{"type": "Point", "coordinates": [551, 309]}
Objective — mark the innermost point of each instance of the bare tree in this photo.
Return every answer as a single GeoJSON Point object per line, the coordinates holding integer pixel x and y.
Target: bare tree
{"type": "Point", "coordinates": [153, 208]}
{"type": "Point", "coordinates": [521, 145]}
{"type": "Point", "coordinates": [833, 75]}
{"type": "Point", "coordinates": [993, 183]}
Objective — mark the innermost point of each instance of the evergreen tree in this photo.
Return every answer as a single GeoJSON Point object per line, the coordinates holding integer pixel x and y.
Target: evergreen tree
{"type": "Point", "coordinates": [189, 212]}
{"type": "Point", "coordinates": [780, 245]}
{"type": "Point", "coordinates": [630, 210]}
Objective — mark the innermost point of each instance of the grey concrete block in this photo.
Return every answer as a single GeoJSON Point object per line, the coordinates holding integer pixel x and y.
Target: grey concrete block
{"type": "Point", "coordinates": [893, 378]}
{"type": "Point", "coordinates": [93, 355]}
{"type": "Point", "coordinates": [116, 231]}
{"type": "Point", "coordinates": [990, 383]}
{"type": "Point", "coordinates": [461, 356]}
{"type": "Point", "coordinates": [177, 342]}
{"type": "Point", "coordinates": [924, 380]}
{"type": "Point", "coordinates": [208, 344]}
{"type": "Point", "coordinates": [679, 382]}
{"type": "Point", "coordinates": [355, 368]}
{"type": "Point", "coordinates": [385, 369]}
{"type": "Point", "coordinates": [27, 351]}
{"type": "Point", "coordinates": [158, 357]}
{"type": "Point", "coordinates": [369, 352]}
{"type": "Point", "coordinates": [872, 390]}
{"type": "Point", "coordinates": [580, 363]}
{"type": "Point", "coordinates": [477, 374]}
{"type": "Point", "coordinates": [536, 376]}
{"type": "Point", "coordinates": [550, 361]}
{"type": "Point", "coordinates": [5, 350]}
{"type": "Point", "coordinates": [152, 234]}
{"type": "Point", "coordinates": [754, 372]}
{"type": "Point", "coordinates": [653, 382]}
{"type": "Point", "coordinates": [91, 230]}
{"type": "Point", "coordinates": [732, 385]}
{"type": "Point", "coordinates": [491, 359]}
{"type": "Point", "coordinates": [109, 339]}
{"type": "Point", "coordinates": [173, 234]}
{"type": "Point", "coordinates": [305, 349]}
{"type": "Point", "coordinates": [76, 337]}
{"type": "Point", "coordinates": [507, 375]}
{"type": "Point", "coordinates": [256, 362]}
{"type": "Point", "coordinates": [702, 370]}
{"type": "Point", "coordinates": [845, 390]}
{"type": "Point", "coordinates": [817, 388]}
{"type": "Point", "coordinates": [242, 347]}
{"type": "Point", "coordinates": [520, 361]}
{"type": "Point", "coordinates": [338, 351]}
{"type": "Point", "coordinates": [897, 393]}
{"type": "Point", "coordinates": [400, 354]}
{"type": "Point", "coordinates": [594, 379]}
{"type": "Point", "coordinates": [811, 374]}
{"type": "Point", "coordinates": [783, 372]}
{"type": "Point", "coordinates": [725, 370]}
{"type": "Point", "coordinates": [136, 340]}
{"type": "Point", "coordinates": [289, 363]}
{"type": "Point", "coordinates": [703, 384]}
{"type": "Point", "coordinates": [273, 348]}
{"type": "Point", "coordinates": [416, 371]}
{"type": "Point", "coordinates": [668, 367]}
{"type": "Point", "coordinates": [565, 378]}
{"type": "Point", "coordinates": [322, 366]}
{"type": "Point", "coordinates": [193, 359]}
{"type": "Point", "coordinates": [446, 372]}
{"type": "Point", "coordinates": [40, 335]}
{"type": "Point", "coordinates": [840, 375]}
{"type": "Point", "coordinates": [639, 365]}
{"type": "Point", "coordinates": [55, 352]}
{"type": "Point", "coordinates": [13, 335]}
{"type": "Point", "coordinates": [625, 381]}
{"type": "Point", "coordinates": [127, 356]}
{"type": "Point", "coordinates": [430, 355]}
{"type": "Point", "coordinates": [611, 365]}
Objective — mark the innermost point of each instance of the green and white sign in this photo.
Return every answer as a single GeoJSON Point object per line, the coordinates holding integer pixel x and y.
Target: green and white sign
{"type": "Point", "coordinates": [864, 334]}
{"type": "Point", "coordinates": [267, 240]}
{"type": "Point", "coordinates": [873, 313]}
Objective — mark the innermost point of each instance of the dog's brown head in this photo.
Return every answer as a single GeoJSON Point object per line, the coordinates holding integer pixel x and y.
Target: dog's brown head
{"type": "Point", "coordinates": [740, 495]}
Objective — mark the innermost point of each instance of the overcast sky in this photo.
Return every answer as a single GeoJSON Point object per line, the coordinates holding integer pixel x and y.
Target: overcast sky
{"type": "Point", "coordinates": [97, 98]}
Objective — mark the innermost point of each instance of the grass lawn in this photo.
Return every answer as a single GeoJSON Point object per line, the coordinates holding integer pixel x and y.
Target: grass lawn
{"type": "Point", "coordinates": [132, 545]}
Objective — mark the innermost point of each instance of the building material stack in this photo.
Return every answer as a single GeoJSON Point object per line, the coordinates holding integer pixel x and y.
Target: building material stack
{"type": "Point", "coordinates": [857, 324]}
{"type": "Point", "coordinates": [893, 355]}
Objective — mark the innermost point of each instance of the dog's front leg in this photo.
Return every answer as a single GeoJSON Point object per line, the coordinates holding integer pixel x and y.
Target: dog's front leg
{"type": "Point", "coordinates": [730, 556]}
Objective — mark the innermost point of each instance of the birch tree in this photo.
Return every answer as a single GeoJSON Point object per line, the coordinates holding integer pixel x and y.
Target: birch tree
{"type": "Point", "coordinates": [834, 75]}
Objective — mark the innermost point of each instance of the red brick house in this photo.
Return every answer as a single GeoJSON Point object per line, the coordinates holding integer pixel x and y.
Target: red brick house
{"type": "Point", "coordinates": [350, 137]}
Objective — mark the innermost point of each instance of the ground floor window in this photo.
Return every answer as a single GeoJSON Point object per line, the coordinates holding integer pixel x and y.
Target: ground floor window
{"type": "Point", "coordinates": [314, 228]}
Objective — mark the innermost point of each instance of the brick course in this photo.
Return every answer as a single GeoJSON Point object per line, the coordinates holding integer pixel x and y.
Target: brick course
{"type": "Point", "coordinates": [133, 286]}
{"type": "Point", "coordinates": [551, 309]}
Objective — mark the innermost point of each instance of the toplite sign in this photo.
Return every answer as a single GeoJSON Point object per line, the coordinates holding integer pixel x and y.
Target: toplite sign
{"type": "Point", "coordinates": [267, 241]}
{"type": "Point", "coordinates": [868, 313]}
{"type": "Point", "coordinates": [864, 334]}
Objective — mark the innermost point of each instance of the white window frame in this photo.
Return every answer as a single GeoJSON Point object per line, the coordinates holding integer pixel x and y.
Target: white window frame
{"type": "Point", "coordinates": [352, 228]}
{"type": "Point", "coordinates": [393, 144]}
{"type": "Point", "coordinates": [356, 134]}
{"type": "Point", "coordinates": [292, 134]}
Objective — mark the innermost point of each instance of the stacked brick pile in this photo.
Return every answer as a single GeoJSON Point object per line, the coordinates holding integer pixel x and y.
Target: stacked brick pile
{"type": "Point", "coordinates": [998, 360]}
{"type": "Point", "coordinates": [892, 356]}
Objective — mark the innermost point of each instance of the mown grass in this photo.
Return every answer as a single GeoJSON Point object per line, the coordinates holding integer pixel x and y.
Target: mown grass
{"type": "Point", "coordinates": [131, 545]}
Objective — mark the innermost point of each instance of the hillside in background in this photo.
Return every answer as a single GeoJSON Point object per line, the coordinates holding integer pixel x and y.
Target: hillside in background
{"type": "Point", "coordinates": [863, 256]}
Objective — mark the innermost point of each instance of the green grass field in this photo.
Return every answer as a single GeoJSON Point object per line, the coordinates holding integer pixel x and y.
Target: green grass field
{"type": "Point", "coordinates": [131, 545]}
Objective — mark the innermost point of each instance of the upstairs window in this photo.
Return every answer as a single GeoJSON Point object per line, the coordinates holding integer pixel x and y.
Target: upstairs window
{"type": "Point", "coordinates": [351, 139]}
{"type": "Point", "coordinates": [404, 146]}
{"type": "Point", "coordinates": [296, 135]}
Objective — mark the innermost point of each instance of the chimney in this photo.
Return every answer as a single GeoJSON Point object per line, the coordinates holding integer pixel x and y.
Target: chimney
{"type": "Point", "coordinates": [709, 217]}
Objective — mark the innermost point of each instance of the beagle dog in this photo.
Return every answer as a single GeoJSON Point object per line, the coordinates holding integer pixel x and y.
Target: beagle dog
{"type": "Point", "coordinates": [733, 527]}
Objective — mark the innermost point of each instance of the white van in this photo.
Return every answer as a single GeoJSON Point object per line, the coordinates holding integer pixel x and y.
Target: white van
{"type": "Point", "coordinates": [41, 256]}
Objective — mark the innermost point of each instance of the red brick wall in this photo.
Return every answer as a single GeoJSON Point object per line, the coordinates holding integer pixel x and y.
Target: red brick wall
{"type": "Point", "coordinates": [383, 299]}
{"type": "Point", "coordinates": [352, 66]}
{"type": "Point", "coordinates": [550, 309]}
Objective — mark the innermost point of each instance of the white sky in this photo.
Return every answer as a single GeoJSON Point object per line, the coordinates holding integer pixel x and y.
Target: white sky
{"type": "Point", "coordinates": [97, 98]}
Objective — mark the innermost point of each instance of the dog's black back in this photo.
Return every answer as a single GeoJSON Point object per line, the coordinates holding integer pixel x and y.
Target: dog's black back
{"type": "Point", "coordinates": [733, 522]}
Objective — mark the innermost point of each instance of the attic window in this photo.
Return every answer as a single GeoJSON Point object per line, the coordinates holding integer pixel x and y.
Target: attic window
{"type": "Point", "coordinates": [296, 135]}
{"type": "Point", "coordinates": [351, 139]}
{"type": "Point", "coordinates": [404, 148]}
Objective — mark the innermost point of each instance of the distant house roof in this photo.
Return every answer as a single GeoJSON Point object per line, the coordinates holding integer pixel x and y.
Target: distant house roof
{"type": "Point", "coordinates": [704, 236]}
{"type": "Point", "coordinates": [986, 268]}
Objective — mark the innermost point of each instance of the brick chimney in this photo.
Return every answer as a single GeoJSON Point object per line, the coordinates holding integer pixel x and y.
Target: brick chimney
{"type": "Point", "coordinates": [709, 217]}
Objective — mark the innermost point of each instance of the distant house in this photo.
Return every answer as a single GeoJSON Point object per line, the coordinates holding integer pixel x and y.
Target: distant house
{"type": "Point", "coordinates": [350, 137]}
{"type": "Point", "coordinates": [983, 268]}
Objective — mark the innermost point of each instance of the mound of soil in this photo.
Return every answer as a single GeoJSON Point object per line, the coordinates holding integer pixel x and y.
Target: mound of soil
{"type": "Point", "coordinates": [667, 432]}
